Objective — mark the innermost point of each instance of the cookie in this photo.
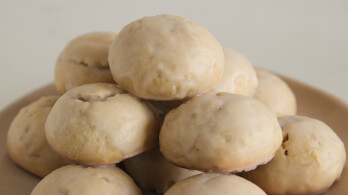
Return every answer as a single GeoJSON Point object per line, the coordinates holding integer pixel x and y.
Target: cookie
{"type": "Point", "coordinates": [153, 172]}
{"type": "Point", "coordinates": [166, 57]}
{"type": "Point", "coordinates": [220, 133]}
{"type": "Point", "coordinates": [26, 141]}
{"type": "Point", "coordinates": [311, 158]}
{"type": "Point", "coordinates": [275, 93]}
{"type": "Point", "coordinates": [213, 183]}
{"type": "Point", "coordinates": [100, 124]}
{"type": "Point", "coordinates": [239, 75]}
{"type": "Point", "coordinates": [84, 60]}
{"type": "Point", "coordinates": [76, 180]}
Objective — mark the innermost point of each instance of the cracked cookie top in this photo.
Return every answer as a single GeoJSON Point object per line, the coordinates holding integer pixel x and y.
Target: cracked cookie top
{"type": "Point", "coordinates": [309, 160]}
{"type": "Point", "coordinates": [84, 60]}
{"type": "Point", "coordinates": [220, 133]}
{"type": "Point", "coordinates": [101, 124]}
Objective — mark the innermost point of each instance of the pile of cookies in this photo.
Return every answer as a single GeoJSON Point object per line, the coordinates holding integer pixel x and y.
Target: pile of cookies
{"type": "Point", "coordinates": [178, 112]}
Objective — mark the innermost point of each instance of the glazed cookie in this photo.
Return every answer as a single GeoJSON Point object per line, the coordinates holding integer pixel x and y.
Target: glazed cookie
{"type": "Point", "coordinates": [166, 57]}
{"type": "Point", "coordinates": [221, 133]}
{"type": "Point", "coordinates": [84, 60]}
{"type": "Point", "coordinates": [239, 75]}
{"type": "Point", "coordinates": [76, 180]}
{"type": "Point", "coordinates": [311, 158]}
{"type": "Point", "coordinates": [213, 183]}
{"type": "Point", "coordinates": [153, 172]}
{"type": "Point", "coordinates": [26, 142]}
{"type": "Point", "coordinates": [275, 93]}
{"type": "Point", "coordinates": [100, 124]}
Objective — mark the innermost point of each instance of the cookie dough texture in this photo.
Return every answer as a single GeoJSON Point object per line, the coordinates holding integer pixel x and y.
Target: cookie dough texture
{"type": "Point", "coordinates": [84, 60]}
{"type": "Point", "coordinates": [153, 172]}
{"type": "Point", "coordinates": [221, 133]}
{"type": "Point", "coordinates": [310, 159]}
{"type": "Point", "coordinates": [166, 57]}
{"type": "Point", "coordinates": [212, 183]}
{"type": "Point", "coordinates": [100, 124]}
{"type": "Point", "coordinates": [275, 93]}
{"type": "Point", "coordinates": [76, 180]}
{"type": "Point", "coordinates": [239, 75]}
{"type": "Point", "coordinates": [26, 141]}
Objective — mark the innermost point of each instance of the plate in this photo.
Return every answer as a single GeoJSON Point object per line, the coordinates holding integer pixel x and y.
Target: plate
{"type": "Point", "coordinates": [311, 102]}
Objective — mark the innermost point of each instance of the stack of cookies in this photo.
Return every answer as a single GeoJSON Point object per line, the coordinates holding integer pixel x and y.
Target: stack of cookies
{"type": "Point", "coordinates": [164, 102]}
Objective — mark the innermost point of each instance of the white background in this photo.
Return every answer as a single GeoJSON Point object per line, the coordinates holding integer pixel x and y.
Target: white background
{"type": "Point", "coordinates": [304, 39]}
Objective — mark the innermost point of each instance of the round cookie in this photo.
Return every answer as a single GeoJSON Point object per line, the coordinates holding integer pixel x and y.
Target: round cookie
{"type": "Point", "coordinates": [311, 158]}
{"type": "Point", "coordinates": [100, 124]}
{"type": "Point", "coordinates": [84, 60]}
{"type": "Point", "coordinates": [153, 172]}
{"type": "Point", "coordinates": [26, 142]}
{"type": "Point", "coordinates": [76, 180]}
{"type": "Point", "coordinates": [166, 57]}
{"type": "Point", "coordinates": [239, 75]}
{"type": "Point", "coordinates": [221, 133]}
{"type": "Point", "coordinates": [275, 93]}
{"type": "Point", "coordinates": [213, 183]}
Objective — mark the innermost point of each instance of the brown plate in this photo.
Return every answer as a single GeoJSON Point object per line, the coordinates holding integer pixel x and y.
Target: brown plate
{"type": "Point", "coordinates": [311, 102]}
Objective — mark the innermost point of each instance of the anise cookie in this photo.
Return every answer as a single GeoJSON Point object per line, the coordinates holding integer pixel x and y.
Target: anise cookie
{"type": "Point", "coordinates": [212, 184]}
{"type": "Point", "coordinates": [26, 141]}
{"type": "Point", "coordinates": [100, 124]}
{"type": "Point", "coordinates": [311, 158]}
{"type": "Point", "coordinates": [275, 93]}
{"type": "Point", "coordinates": [166, 57]}
{"type": "Point", "coordinates": [76, 180]}
{"type": "Point", "coordinates": [239, 75]}
{"type": "Point", "coordinates": [220, 133]}
{"type": "Point", "coordinates": [84, 60]}
{"type": "Point", "coordinates": [153, 172]}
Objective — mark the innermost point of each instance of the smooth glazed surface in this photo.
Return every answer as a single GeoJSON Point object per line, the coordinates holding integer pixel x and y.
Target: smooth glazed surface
{"type": "Point", "coordinates": [153, 172]}
{"type": "Point", "coordinates": [166, 57]}
{"type": "Point", "coordinates": [84, 60]}
{"type": "Point", "coordinates": [275, 93]}
{"type": "Point", "coordinates": [100, 124]}
{"type": "Point", "coordinates": [310, 159]}
{"type": "Point", "coordinates": [222, 133]}
{"type": "Point", "coordinates": [26, 140]}
{"type": "Point", "coordinates": [239, 75]}
{"type": "Point", "coordinates": [212, 183]}
{"type": "Point", "coordinates": [76, 180]}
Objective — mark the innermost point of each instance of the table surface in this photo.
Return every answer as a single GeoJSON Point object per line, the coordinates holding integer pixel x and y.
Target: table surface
{"type": "Point", "coordinates": [306, 40]}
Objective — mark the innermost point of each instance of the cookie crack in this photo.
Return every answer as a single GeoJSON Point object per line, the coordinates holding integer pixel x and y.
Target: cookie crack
{"type": "Point", "coordinates": [285, 139]}
{"type": "Point", "coordinates": [85, 64]}
{"type": "Point", "coordinates": [93, 99]}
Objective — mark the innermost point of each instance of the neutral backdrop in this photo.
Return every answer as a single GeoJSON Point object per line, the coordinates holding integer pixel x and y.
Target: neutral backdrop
{"type": "Point", "coordinates": [304, 39]}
